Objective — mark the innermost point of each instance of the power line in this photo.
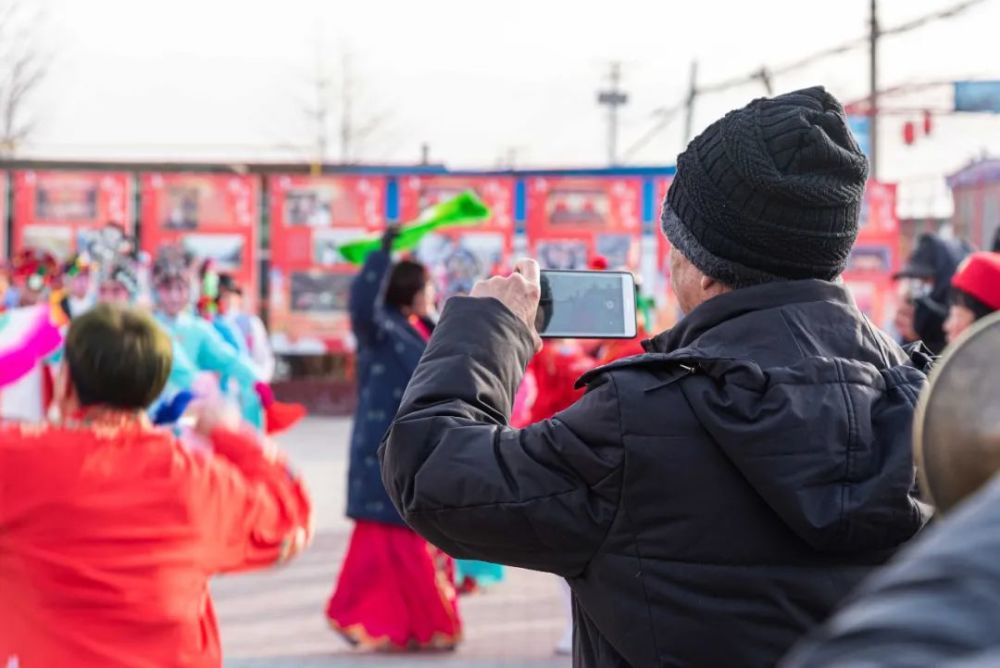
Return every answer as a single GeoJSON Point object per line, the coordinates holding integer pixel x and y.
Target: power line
{"type": "Point", "coordinates": [764, 75]}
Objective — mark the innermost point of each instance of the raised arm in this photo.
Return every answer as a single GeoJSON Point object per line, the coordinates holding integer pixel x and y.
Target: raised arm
{"type": "Point", "coordinates": [366, 288]}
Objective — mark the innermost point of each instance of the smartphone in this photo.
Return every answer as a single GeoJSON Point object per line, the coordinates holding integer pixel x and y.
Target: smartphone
{"type": "Point", "coordinates": [586, 305]}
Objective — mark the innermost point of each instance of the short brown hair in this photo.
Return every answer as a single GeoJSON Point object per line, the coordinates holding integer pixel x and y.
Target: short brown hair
{"type": "Point", "coordinates": [118, 357]}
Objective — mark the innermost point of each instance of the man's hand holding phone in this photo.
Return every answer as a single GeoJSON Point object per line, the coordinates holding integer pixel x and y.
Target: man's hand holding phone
{"type": "Point", "coordinates": [519, 292]}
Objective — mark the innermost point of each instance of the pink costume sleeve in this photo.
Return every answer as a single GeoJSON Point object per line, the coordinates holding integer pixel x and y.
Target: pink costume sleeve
{"type": "Point", "coordinates": [37, 339]}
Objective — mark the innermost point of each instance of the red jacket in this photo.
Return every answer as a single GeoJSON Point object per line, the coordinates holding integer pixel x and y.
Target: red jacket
{"type": "Point", "coordinates": [616, 349]}
{"type": "Point", "coordinates": [556, 368]}
{"type": "Point", "coordinates": [109, 534]}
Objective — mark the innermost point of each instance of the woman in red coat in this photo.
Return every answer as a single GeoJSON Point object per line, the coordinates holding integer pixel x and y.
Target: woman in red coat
{"type": "Point", "coordinates": [111, 528]}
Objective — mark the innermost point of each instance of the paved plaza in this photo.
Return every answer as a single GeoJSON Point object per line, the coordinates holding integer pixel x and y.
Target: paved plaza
{"type": "Point", "coordinates": [275, 618]}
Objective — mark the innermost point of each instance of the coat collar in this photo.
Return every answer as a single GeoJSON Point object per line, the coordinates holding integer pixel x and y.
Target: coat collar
{"type": "Point", "coordinates": [740, 302]}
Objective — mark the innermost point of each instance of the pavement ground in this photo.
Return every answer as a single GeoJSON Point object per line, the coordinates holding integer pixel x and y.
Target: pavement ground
{"type": "Point", "coordinates": [274, 619]}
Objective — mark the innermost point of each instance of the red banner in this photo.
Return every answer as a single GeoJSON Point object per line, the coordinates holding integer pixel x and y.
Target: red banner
{"type": "Point", "coordinates": [875, 256]}
{"type": "Point", "coordinates": [60, 211]}
{"type": "Point", "coordinates": [460, 256]}
{"type": "Point", "coordinates": [309, 281]}
{"type": "Point", "coordinates": [571, 219]}
{"type": "Point", "coordinates": [214, 216]}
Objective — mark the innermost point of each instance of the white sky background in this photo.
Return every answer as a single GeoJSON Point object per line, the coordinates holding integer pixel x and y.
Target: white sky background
{"type": "Point", "coordinates": [230, 79]}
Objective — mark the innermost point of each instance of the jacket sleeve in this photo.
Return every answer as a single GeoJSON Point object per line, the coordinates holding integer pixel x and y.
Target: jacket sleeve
{"type": "Point", "coordinates": [937, 604]}
{"type": "Point", "coordinates": [366, 293]}
{"type": "Point", "coordinates": [542, 497]}
{"type": "Point", "coordinates": [214, 354]}
{"type": "Point", "coordinates": [254, 511]}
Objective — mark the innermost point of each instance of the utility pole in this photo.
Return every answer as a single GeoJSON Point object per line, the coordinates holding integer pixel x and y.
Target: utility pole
{"type": "Point", "coordinates": [613, 98]}
{"type": "Point", "coordinates": [873, 37]}
{"type": "Point", "coordinates": [689, 107]}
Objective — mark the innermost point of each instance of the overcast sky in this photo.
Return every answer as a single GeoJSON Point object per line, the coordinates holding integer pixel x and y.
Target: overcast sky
{"type": "Point", "coordinates": [232, 79]}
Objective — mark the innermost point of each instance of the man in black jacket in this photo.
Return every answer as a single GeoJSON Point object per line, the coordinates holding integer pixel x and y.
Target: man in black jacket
{"type": "Point", "coordinates": [712, 500]}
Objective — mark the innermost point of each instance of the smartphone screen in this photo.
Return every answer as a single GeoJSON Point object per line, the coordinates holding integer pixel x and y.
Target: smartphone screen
{"type": "Point", "coordinates": [586, 305]}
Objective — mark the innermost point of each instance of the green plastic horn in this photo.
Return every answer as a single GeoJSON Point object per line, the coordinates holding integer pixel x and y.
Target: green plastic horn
{"type": "Point", "coordinates": [463, 209]}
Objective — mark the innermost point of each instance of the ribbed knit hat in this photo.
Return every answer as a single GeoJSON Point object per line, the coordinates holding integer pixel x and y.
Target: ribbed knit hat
{"type": "Point", "coordinates": [771, 191]}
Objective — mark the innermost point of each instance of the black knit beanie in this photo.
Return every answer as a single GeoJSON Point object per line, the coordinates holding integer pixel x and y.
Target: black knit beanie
{"type": "Point", "coordinates": [771, 191]}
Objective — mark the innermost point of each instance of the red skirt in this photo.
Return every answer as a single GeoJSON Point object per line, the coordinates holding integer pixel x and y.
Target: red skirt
{"type": "Point", "coordinates": [396, 591]}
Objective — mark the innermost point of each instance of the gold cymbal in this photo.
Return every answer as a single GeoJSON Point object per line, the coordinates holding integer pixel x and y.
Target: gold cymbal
{"type": "Point", "coordinates": [956, 431]}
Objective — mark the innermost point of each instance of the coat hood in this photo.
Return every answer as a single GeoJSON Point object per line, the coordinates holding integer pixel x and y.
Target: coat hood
{"type": "Point", "coordinates": [811, 403]}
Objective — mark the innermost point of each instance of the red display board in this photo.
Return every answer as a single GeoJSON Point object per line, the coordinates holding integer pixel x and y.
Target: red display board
{"type": "Point", "coordinates": [875, 256]}
{"type": "Point", "coordinates": [309, 281]}
{"type": "Point", "coordinates": [60, 211]}
{"type": "Point", "coordinates": [459, 256]}
{"type": "Point", "coordinates": [662, 245]}
{"type": "Point", "coordinates": [211, 215]}
{"type": "Point", "coordinates": [570, 219]}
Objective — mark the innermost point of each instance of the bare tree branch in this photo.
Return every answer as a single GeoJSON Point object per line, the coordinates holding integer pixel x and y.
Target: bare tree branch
{"type": "Point", "coordinates": [22, 69]}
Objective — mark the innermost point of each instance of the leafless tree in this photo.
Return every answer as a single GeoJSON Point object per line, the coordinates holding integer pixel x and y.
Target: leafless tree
{"type": "Point", "coordinates": [22, 68]}
{"type": "Point", "coordinates": [356, 131]}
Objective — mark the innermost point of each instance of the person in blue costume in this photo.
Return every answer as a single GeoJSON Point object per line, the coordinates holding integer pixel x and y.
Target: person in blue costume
{"type": "Point", "coordinates": [198, 341]}
{"type": "Point", "coordinates": [221, 303]}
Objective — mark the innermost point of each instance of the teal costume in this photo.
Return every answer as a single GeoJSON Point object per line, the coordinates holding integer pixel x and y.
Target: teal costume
{"type": "Point", "coordinates": [199, 347]}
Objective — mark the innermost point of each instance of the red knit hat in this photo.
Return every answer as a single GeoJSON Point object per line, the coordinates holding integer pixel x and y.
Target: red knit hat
{"type": "Point", "coordinates": [979, 276]}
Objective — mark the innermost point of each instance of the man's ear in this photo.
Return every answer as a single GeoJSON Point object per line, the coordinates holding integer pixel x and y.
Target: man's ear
{"type": "Point", "coordinates": [712, 288]}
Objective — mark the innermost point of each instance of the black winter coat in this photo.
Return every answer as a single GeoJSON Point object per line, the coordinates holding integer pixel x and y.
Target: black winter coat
{"type": "Point", "coordinates": [708, 502]}
{"type": "Point", "coordinates": [936, 606]}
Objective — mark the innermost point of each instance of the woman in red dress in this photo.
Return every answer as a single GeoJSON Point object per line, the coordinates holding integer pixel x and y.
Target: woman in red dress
{"type": "Point", "coordinates": [395, 590]}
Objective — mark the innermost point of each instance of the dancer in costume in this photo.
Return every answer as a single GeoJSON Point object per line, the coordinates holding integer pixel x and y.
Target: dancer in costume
{"type": "Point", "coordinates": [220, 303]}
{"type": "Point", "coordinates": [200, 348]}
{"type": "Point", "coordinates": [110, 529]}
{"type": "Point", "coordinates": [199, 345]}
{"type": "Point", "coordinates": [118, 282]}
{"type": "Point", "coordinates": [77, 290]}
{"type": "Point", "coordinates": [395, 590]}
{"type": "Point", "coordinates": [28, 335]}
{"type": "Point", "coordinates": [250, 328]}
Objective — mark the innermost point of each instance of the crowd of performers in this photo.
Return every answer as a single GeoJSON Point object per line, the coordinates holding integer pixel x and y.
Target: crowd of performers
{"type": "Point", "coordinates": [218, 347]}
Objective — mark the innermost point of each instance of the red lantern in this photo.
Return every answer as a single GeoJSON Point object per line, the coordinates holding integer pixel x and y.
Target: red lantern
{"type": "Point", "coordinates": [909, 133]}
{"type": "Point", "coordinates": [928, 122]}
